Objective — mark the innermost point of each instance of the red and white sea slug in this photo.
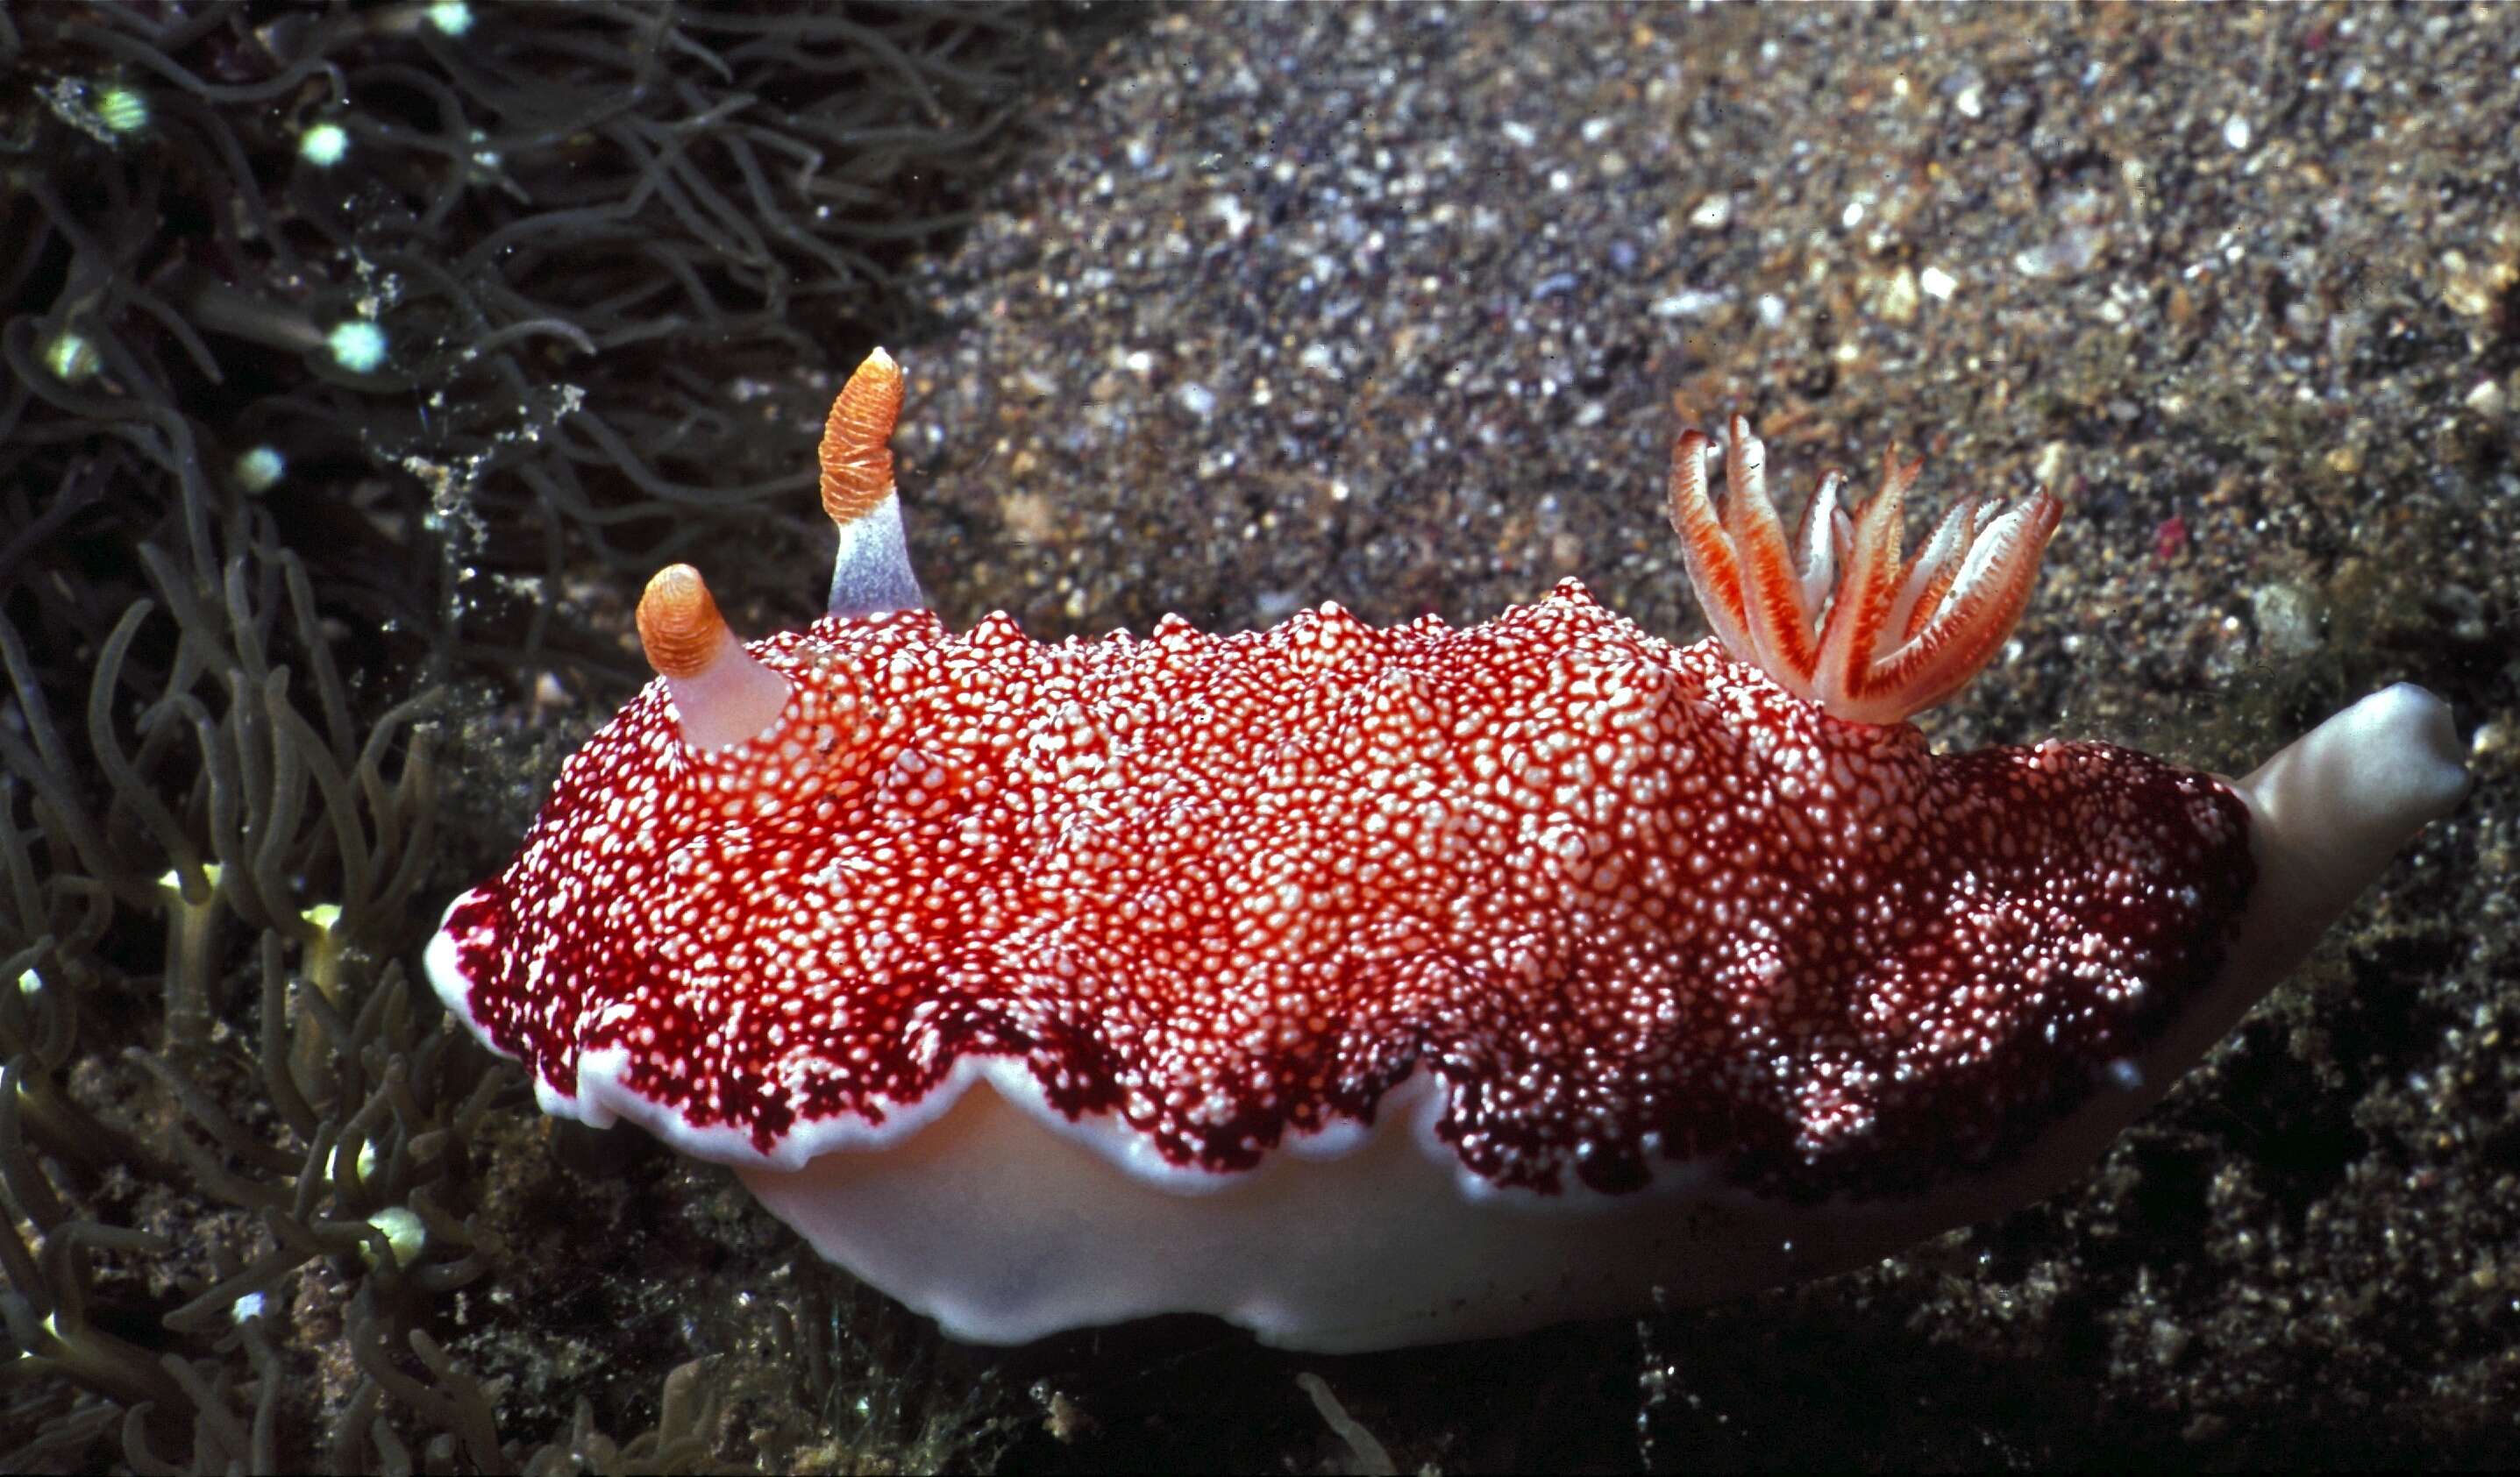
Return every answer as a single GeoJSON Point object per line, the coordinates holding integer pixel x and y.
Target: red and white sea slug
{"type": "Point", "coordinates": [1372, 987]}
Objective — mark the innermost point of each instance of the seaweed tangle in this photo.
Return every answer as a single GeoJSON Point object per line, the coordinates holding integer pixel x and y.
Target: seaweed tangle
{"type": "Point", "coordinates": [352, 354]}
{"type": "Point", "coordinates": [235, 1145]}
{"type": "Point", "coordinates": [431, 271]}
{"type": "Point", "coordinates": [178, 1158]}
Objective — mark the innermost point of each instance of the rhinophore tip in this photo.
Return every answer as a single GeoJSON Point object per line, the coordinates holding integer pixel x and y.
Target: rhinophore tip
{"type": "Point", "coordinates": [678, 622]}
{"type": "Point", "coordinates": [722, 694]}
{"type": "Point", "coordinates": [871, 575]}
{"type": "Point", "coordinates": [856, 440]}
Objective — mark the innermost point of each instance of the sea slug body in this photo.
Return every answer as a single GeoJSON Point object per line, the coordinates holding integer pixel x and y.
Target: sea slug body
{"type": "Point", "coordinates": [1370, 987]}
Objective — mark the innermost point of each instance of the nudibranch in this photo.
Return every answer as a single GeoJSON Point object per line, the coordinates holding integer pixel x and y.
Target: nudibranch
{"type": "Point", "coordinates": [1374, 987]}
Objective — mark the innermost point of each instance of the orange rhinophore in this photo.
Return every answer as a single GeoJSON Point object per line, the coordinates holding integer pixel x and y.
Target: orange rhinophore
{"type": "Point", "coordinates": [856, 440]}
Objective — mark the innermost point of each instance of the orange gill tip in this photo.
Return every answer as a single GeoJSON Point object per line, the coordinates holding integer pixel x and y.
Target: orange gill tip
{"type": "Point", "coordinates": [1706, 546]}
{"type": "Point", "coordinates": [856, 440]}
{"type": "Point", "coordinates": [721, 692]}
